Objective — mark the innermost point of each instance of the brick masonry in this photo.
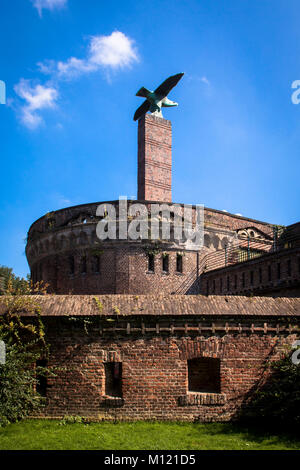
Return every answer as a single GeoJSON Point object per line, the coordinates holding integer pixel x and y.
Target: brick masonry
{"type": "Point", "coordinates": [123, 267]}
{"type": "Point", "coordinates": [154, 159]}
{"type": "Point", "coordinates": [149, 342]}
{"type": "Point", "coordinates": [274, 274]}
{"type": "Point", "coordinates": [154, 351]}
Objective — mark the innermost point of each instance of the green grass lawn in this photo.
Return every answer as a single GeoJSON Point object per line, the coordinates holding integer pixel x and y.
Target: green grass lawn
{"type": "Point", "coordinates": [51, 435]}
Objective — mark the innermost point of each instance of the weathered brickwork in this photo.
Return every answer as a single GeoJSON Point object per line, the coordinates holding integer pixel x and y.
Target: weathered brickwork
{"type": "Point", "coordinates": [274, 274]}
{"type": "Point", "coordinates": [155, 383]}
{"type": "Point", "coordinates": [122, 270]}
{"type": "Point", "coordinates": [68, 237]}
{"type": "Point", "coordinates": [159, 356]}
{"type": "Point", "coordinates": [154, 159]}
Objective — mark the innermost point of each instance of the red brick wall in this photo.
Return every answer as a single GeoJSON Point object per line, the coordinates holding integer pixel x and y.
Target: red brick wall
{"type": "Point", "coordinates": [73, 231]}
{"type": "Point", "coordinates": [123, 270]}
{"type": "Point", "coordinates": [154, 368]}
{"type": "Point", "coordinates": [154, 159]}
{"type": "Point", "coordinates": [276, 274]}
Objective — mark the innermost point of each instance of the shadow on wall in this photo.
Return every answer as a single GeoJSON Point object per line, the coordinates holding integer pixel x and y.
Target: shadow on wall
{"type": "Point", "coordinates": [275, 400]}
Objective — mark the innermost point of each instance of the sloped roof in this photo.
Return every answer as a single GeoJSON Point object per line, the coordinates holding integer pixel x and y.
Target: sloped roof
{"type": "Point", "coordinates": [179, 305]}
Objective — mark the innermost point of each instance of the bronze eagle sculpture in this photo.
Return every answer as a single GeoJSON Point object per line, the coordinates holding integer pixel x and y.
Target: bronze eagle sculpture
{"type": "Point", "coordinates": [157, 99]}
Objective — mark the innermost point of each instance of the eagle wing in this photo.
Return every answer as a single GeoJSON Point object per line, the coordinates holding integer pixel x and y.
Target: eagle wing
{"type": "Point", "coordinates": [142, 110]}
{"type": "Point", "coordinates": [165, 88]}
{"type": "Point", "coordinates": [143, 92]}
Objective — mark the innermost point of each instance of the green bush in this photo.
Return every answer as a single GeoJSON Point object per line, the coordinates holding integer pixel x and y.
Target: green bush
{"type": "Point", "coordinates": [24, 338]}
{"type": "Point", "coordinates": [277, 400]}
{"type": "Point", "coordinates": [17, 385]}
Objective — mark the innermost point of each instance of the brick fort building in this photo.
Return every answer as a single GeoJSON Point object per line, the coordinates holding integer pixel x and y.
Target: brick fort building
{"type": "Point", "coordinates": [154, 329]}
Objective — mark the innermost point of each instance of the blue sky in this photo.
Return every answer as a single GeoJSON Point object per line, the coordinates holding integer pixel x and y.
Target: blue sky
{"type": "Point", "coordinates": [72, 69]}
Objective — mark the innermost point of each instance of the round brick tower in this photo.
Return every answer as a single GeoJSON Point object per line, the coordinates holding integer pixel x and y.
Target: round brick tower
{"type": "Point", "coordinates": [63, 248]}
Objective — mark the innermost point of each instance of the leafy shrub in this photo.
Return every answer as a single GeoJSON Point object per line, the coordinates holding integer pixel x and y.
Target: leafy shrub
{"type": "Point", "coordinates": [277, 400]}
{"type": "Point", "coordinates": [17, 384]}
{"type": "Point", "coordinates": [25, 343]}
{"type": "Point", "coordinates": [71, 420]}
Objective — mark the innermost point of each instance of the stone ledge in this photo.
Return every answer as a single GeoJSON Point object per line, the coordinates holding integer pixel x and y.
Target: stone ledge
{"type": "Point", "coordinates": [112, 401]}
{"type": "Point", "coordinates": [197, 398]}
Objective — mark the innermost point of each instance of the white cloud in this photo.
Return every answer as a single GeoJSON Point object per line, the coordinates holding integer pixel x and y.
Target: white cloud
{"type": "Point", "coordinates": [205, 80]}
{"type": "Point", "coordinates": [36, 98]}
{"type": "Point", "coordinates": [116, 50]}
{"type": "Point", "coordinates": [108, 53]}
{"type": "Point", "coordinates": [113, 51]}
{"type": "Point", "coordinates": [48, 4]}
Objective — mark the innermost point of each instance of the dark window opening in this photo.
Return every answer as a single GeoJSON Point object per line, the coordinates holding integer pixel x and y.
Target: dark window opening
{"type": "Point", "coordinates": [260, 275]}
{"type": "Point", "coordinates": [41, 378]}
{"type": "Point", "coordinates": [96, 264]}
{"type": "Point", "coordinates": [151, 262]}
{"type": "Point", "coordinates": [278, 271]}
{"type": "Point", "coordinates": [113, 379]}
{"type": "Point", "coordinates": [251, 277]}
{"type": "Point", "coordinates": [243, 279]}
{"type": "Point", "coordinates": [289, 270]}
{"type": "Point", "coordinates": [221, 285]}
{"type": "Point", "coordinates": [235, 281]}
{"type": "Point", "coordinates": [179, 263]}
{"type": "Point", "coordinates": [72, 265]}
{"type": "Point", "coordinates": [83, 265]}
{"type": "Point", "coordinates": [204, 375]}
{"type": "Point", "coordinates": [269, 273]}
{"type": "Point", "coordinates": [165, 263]}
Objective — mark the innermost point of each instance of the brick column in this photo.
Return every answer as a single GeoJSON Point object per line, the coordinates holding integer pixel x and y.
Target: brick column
{"type": "Point", "coordinates": [154, 159]}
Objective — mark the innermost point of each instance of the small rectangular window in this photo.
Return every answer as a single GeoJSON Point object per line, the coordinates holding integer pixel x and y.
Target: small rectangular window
{"type": "Point", "coordinates": [151, 262]}
{"type": "Point", "coordinates": [72, 265]}
{"type": "Point", "coordinates": [204, 375]}
{"type": "Point", "coordinates": [179, 263]}
{"type": "Point", "coordinates": [289, 269]}
{"type": "Point", "coordinates": [260, 275]}
{"type": "Point", "coordinates": [41, 379]}
{"type": "Point", "coordinates": [96, 264]}
{"type": "Point", "coordinates": [269, 273]}
{"type": "Point", "coordinates": [165, 263]}
{"type": "Point", "coordinates": [113, 379]}
{"type": "Point", "coordinates": [83, 265]}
